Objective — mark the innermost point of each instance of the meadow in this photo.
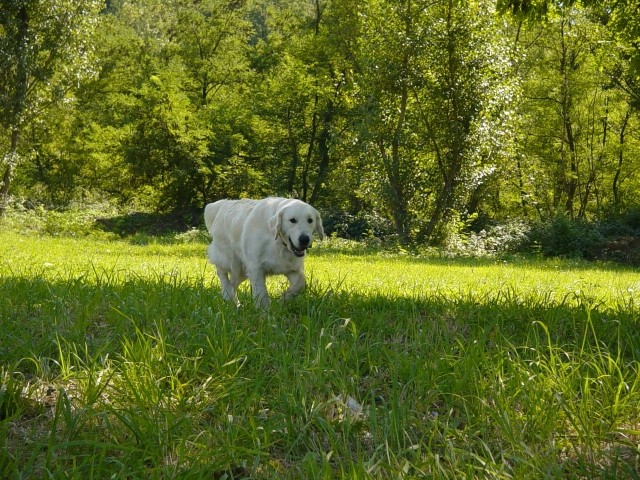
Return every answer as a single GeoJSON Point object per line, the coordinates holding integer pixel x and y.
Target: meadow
{"type": "Point", "coordinates": [119, 359]}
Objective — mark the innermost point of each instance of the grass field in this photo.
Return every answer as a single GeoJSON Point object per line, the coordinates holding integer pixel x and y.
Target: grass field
{"type": "Point", "coordinates": [120, 360]}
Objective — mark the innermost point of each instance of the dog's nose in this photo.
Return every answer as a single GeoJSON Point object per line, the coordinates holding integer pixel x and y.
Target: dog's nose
{"type": "Point", "coordinates": [304, 240]}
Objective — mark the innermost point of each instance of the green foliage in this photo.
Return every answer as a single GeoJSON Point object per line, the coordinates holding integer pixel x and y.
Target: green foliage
{"type": "Point", "coordinates": [45, 51]}
{"type": "Point", "coordinates": [166, 148]}
{"type": "Point", "coordinates": [439, 127]}
{"type": "Point", "coordinates": [565, 237]}
{"type": "Point", "coordinates": [10, 394]}
{"type": "Point", "coordinates": [357, 227]}
{"type": "Point", "coordinates": [75, 221]}
{"type": "Point", "coordinates": [495, 239]}
{"type": "Point", "coordinates": [394, 113]}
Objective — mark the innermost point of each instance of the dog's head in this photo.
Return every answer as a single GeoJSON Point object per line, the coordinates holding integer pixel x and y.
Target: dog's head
{"type": "Point", "coordinates": [295, 223]}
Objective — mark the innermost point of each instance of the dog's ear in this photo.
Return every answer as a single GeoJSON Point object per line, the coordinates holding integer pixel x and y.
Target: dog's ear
{"type": "Point", "coordinates": [319, 230]}
{"type": "Point", "coordinates": [275, 223]}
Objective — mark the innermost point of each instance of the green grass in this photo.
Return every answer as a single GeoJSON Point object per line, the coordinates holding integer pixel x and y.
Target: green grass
{"type": "Point", "coordinates": [120, 360]}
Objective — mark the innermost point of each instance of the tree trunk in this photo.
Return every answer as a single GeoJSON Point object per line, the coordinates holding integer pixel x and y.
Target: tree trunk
{"type": "Point", "coordinates": [397, 202]}
{"type": "Point", "coordinates": [312, 145]}
{"type": "Point", "coordinates": [459, 129]}
{"type": "Point", "coordinates": [394, 175]}
{"type": "Point", "coordinates": [445, 198]}
{"type": "Point", "coordinates": [295, 158]}
{"type": "Point", "coordinates": [18, 104]}
{"type": "Point", "coordinates": [523, 193]}
{"type": "Point", "coordinates": [616, 178]}
{"type": "Point", "coordinates": [594, 161]}
{"type": "Point", "coordinates": [570, 179]}
{"type": "Point", "coordinates": [323, 151]}
{"type": "Point", "coordinates": [8, 172]}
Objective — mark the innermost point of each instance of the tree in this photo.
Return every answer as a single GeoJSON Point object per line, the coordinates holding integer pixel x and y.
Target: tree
{"type": "Point", "coordinates": [435, 92]}
{"type": "Point", "coordinates": [302, 53]}
{"type": "Point", "coordinates": [45, 51]}
{"type": "Point", "coordinates": [621, 17]}
{"type": "Point", "coordinates": [211, 38]}
{"type": "Point", "coordinates": [470, 99]}
{"type": "Point", "coordinates": [576, 120]}
{"type": "Point", "coordinates": [416, 112]}
{"type": "Point", "coordinates": [176, 126]}
{"type": "Point", "coordinates": [390, 58]}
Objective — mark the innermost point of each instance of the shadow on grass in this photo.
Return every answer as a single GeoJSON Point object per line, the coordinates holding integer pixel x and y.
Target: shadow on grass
{"type": "Point", "coordinates": [154, 224]}
{"type": "Point", "coordinates": [475, 373]}
{"type": "Point", "coordinates": [99, 313]}
{"type": "Point", "coordinates": [524, 261]}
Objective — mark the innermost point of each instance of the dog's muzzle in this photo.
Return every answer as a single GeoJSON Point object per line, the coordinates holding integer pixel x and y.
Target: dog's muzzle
{"type": "Point", "coordinates": [304, 241]}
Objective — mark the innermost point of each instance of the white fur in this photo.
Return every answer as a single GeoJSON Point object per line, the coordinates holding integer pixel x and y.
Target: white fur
{"type": "Point", "coordinates": [256, 238]}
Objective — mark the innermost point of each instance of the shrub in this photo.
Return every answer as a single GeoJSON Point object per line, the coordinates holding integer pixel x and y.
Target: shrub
{"type": "Point", "coordinates": [565, 237]}
{"type": "Point", "coordinates": [75, 221]}
{"type": "Point", "coordinates": [624, 225]}
{"type": "Point", "coordinates": [509, 237]}
{"type": "Point", "coordinates": [356, 227]}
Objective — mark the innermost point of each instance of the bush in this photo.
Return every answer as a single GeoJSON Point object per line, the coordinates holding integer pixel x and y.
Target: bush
{"type": "Point", "coordinates": [75, 221]}
{"type": "Point", "coordinates": [356, 227]}
{"type": "Point", "coordinates": [509, 237]}
{"type": "Point", "coordinates": [624, 225]}
{"type": "Point", "coordinates": [616, 240]}
{"type": "Point", "coordinates": [563, 237]}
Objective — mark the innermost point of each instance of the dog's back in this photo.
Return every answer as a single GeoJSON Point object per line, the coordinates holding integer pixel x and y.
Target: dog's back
{"type": "Point", "coordinates": [233, 210]}
{"type": "Point", "coordinates": [210, 212]}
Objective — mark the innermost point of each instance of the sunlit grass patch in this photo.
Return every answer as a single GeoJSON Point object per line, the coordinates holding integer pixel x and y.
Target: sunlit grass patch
{"type": "Point", "coordinates": [121, 360]}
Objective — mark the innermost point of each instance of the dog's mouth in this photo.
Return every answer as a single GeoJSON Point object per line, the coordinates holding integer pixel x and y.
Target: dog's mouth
{"type": "Point", "coordinates": [298, 252]}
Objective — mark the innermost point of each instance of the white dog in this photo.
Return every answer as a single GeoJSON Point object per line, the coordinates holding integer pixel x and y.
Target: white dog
{"type": "Point", "coordinates": [256, 238]}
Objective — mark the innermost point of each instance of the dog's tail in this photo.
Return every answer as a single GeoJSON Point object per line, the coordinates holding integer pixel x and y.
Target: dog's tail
{"type": "Point", "coordinates": [210, 212]}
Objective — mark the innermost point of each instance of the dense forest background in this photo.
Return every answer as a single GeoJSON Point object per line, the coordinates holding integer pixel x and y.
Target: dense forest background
{"type": "Point", "coordinates": [409, 119]}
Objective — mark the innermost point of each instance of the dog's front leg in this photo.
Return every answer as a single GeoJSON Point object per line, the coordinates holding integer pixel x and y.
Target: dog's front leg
{"type": "Point", "coordinates": [259, 289]}
{"type": "Point", "coordinates": [297, 284]}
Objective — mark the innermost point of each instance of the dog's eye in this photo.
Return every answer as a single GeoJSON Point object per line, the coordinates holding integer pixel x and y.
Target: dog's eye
{"type": "Point", "coordinates": [293, 220]}
{"type": "Point", "coordinates": [310, 220]}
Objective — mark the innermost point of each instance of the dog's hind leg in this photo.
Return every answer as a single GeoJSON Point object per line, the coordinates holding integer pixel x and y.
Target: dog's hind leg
{"type": "Point", "coordinates": [259, 289]}
{"type": "Point", "coordinates": [229, 290]}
